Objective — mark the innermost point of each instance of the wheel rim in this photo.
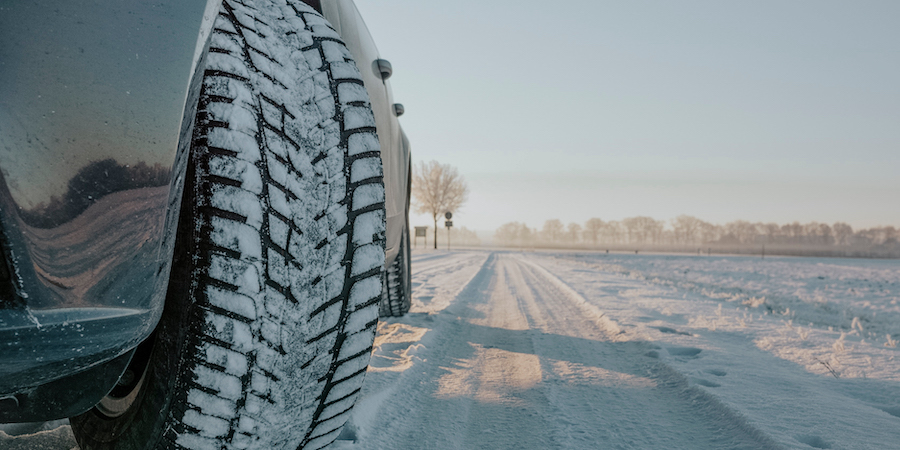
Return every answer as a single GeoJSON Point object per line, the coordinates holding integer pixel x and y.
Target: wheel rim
{"type": "Point", "coordinates": [126, 390]}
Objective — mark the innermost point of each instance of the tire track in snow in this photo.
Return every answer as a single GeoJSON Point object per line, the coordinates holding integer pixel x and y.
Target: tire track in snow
{"type": "Point", "coordinates": [646, 404]}
{"type": "Point", "coordinates": [437, 279]}
{"type": "Point", "coordinates": [520, 360]}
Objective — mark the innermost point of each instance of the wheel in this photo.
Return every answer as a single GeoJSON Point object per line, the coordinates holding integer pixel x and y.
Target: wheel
{"type": "Point", "coordinates": [396, 293]}
{"type": "Point", "coordinates": [272, 305]}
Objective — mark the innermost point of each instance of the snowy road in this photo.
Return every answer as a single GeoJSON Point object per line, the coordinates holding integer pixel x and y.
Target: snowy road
{"type": "Point", "coordinates": [541, 350]}
{"type": "Point", "coordinates": [524, 362]}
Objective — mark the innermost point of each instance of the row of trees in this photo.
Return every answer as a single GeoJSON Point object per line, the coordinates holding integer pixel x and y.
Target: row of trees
{"type": "Point", "coordinates": [689, 230]}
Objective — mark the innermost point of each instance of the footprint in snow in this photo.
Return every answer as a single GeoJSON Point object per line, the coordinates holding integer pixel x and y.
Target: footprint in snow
{"type": "Point", "coordinates": [688, 352]}
{"type": "Point", "coordinates": [672, 331]}
{"type": "Point", "coordinates": [706, 383]}
{"type": "Point", "coordinates": [814, 441]}
{"type": "Point", "coordinates": [716, 372]}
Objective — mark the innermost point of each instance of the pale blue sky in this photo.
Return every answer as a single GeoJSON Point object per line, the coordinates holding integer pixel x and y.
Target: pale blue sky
{"type": "Point", "coordinates": [763, 111]}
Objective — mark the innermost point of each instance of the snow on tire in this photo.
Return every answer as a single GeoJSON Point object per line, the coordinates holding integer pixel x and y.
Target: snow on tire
{"type": "Point", "coordinates": [396, 294]}
{"type": "Point", "coordinates": [272, 304]}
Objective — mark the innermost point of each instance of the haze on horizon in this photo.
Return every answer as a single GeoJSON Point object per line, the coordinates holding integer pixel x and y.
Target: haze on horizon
{"type": "Point", "coordinates": [760, 111]}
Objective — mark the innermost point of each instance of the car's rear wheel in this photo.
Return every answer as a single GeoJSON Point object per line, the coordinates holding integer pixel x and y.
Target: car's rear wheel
{"type": "Point", "coordinates": [272, 305]}
{"type": "Point", "coordinates": [396, 295]}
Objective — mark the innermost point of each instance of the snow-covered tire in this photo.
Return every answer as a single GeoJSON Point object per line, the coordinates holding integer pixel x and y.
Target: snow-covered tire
{"type": "Point", "coordinates": [272, 305]}
{"type": "Point", "coordinates": [396, 294]}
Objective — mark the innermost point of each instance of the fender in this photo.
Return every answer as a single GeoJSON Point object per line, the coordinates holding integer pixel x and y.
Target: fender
{"type": "Point", "coordinates": [97, 100]}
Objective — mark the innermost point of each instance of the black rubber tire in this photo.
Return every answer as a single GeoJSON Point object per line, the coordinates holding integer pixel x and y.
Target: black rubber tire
{"type": "Point", "coordinates": [272, 305]}
{"type": "Point", "coordinates": [396, 292]}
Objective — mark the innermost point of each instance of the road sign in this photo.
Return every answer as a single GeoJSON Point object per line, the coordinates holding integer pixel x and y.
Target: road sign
{"type": "Point", "coordinates": [448, 223]}
{"type": "Point", "coordinates": [420, 233]}
{"type": "Point", "coordinates": [448, 215]}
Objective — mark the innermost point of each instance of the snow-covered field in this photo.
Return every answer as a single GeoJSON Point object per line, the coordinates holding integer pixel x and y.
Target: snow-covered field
{"type": "Point", "coordinates": [590, 350]}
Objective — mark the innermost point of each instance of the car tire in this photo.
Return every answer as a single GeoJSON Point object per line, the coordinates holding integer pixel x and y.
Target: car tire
{"type": "Point", "coordinates": [396, 295]}
{"type": "Point", "coordinates": [271, 312]}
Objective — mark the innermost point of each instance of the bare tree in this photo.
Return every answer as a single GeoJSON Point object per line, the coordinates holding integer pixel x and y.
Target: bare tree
{"type": "Point", "coordinates": [686, 228]}
{"type": "Point", "coordinates": [592, 229]}
{"type": "Point", "coordinates": [642, 229]}
{"type": "Point", "coordinates": [740, 231]}
{"type": "Point", "coordinates": [514, 233]}
{"type": "Point", "coordinates": [842, 233]}
{"type": "Point", "coordinates": [553, 231]}
{"type": "Point", "coordinates": [613, 232]}
{"type": "Point", "coordinates": [573, 233]}
{"type": "Point", "coordinates": [772, 232]}
{"type": "Point", "coordinates": [437, 188]}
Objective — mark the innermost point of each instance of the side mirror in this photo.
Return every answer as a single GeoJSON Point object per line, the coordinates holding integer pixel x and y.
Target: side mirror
{"type": "Point", "coordinates": [398, 109]}
{"type": "Point", "coordinates": [382, 68]}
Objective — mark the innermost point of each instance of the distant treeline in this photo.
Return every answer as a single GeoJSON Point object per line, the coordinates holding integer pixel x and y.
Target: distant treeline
{"type": "Point", "coordinates": [687, 231]}
{"type": "Point", "coordinates": [93, 182]}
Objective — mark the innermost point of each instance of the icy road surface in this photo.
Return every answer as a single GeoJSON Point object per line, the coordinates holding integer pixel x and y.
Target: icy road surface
{"type": "Point", "coordinates": [510, 350]}
{"type": "Point", "coordinates": [542, 350]}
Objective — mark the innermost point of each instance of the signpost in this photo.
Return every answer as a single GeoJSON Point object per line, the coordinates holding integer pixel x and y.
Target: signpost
{"type": "Point", "coordinates": [448, 223]}
{"type": "Point", "coordinates": [420, 232]}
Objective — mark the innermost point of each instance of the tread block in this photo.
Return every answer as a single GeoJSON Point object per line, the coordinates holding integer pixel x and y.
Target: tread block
{"type": "Point", "coordinates": [227, 87]}
{"type": "Point", "coordinates": [356, 117]}
{"type": "Point", "coordinates": [231, 301]}
{"type": "Point", "coordinates": [277, 268]}
{"type": "Point", "coordinates": [313, 59]}
{"type": "Point", "coordinates": [225, 386]}
{"type": "Point", "coordinates": [212, 412]}
{"type": "Point", "coordinates": [226, 329]}
{"type": "Point", "coordinates": [236, 169]}
{"type": "Point", "coordinates": [367, 195]}
{"type": "Point", "coordinates": [334, 51]}
{"type": "Point", "coordinates": [366, 258]}
{"type": "Point", "coordinates": [354, 365]}
{"type": "Point", "coordinates": [363, 142]}
{"type": "Point", "coordinates": [352, 92]}
{"type": "Point", "coordinates": [354, 344]}
{"type": "Point", "coordinates": [236, 236]}
{"type": "Point", "coordinates": [332, 135]}
{"type": "Point", "coordinates": [232, 362]}
{"type": "Point", "coordinates": [278, 201]}
{"type": "Point", "coordinates": [279, 231]}
{"type": "Point", "coordinates": [345, 71]}
{"type": "Point", "coordinates": [239, 142]}
{"type": "Point", "coordinates": [366, 232]}
{"type": "Point", "coordinates": [278, 172]}
{"type": "Point", "coordinates": [361, 293]}
{"type": "Point", "coordinates": [227, 62]}
{"type": "Point", "coordinates": [364, 169]}
{"type": "Point", "coordinates": [238, 118]}
{"type": "Point", "coordinates": [243, 274]}
{"type": "Point", "coordinates": [270, 331]}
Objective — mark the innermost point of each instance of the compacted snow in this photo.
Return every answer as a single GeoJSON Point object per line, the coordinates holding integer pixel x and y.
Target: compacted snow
{"type": "Point", "coordinates": [591, 350]}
